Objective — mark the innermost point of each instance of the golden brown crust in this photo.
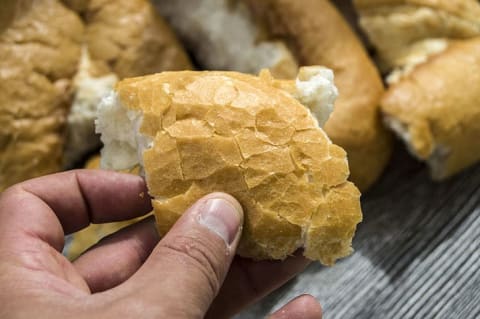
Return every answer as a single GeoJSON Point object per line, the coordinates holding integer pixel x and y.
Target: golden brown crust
{"type": "Point", "coordinates": [465, 9]}
{"type": "Point", "coordinates": [36, 67]}
{"type": "Point", "coordinates": [131, 38]}
{"type": "Point", "coordinates": [317, 34]}
{"type": "Point", "coordinates": [397, 28]}
{"type": "Point", "coordinates": [231, 132]}
{"type": "Point", "coordinates": [438, 106]}
{"type": "Point", "coordinates": [123, 39]}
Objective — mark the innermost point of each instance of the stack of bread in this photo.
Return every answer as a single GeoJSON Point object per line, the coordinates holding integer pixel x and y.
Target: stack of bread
{"type": "Point", "coordinates": [267, 135]}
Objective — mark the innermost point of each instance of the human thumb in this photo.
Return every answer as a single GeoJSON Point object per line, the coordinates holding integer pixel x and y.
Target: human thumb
{"type": "Point", "coordinates": [187, 267]}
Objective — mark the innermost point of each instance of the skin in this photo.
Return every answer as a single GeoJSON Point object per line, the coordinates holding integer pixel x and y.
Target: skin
{"type": "Point", "coordinates": [192, 272]}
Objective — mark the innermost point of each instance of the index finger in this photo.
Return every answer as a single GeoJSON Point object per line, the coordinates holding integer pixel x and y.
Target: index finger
{"type": "Point", "coordinates": [49, 207]}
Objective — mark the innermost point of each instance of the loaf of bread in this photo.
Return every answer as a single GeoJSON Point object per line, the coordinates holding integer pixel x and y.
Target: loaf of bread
{"type": "Point", "coordinates": [40, 50]}
{"type": "Point", "coordinates": [430, 51]}
{"type": "Point", "coordinates": [406, 32]}
{"type": "Point", "coordinates": [435, 109]}
{"type": "Point", "coordinates": [281, 35]}
{"type": "Point", "coordinates": [193, 133]}
{"type": "Point", "coordinates": [123, 38]}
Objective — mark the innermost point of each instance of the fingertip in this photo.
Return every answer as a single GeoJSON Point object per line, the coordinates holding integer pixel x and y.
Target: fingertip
{"type": "Point", "coordinates": [227, 197]}
{"type": "Point", "coordinates": [302, 307]}
{"type": "Point", "coordinates": [221, 214]}
{"type": "Point", "coordinates": [309, 302]}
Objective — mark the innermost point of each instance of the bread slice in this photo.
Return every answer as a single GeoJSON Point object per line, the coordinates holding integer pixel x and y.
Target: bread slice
{"type": "Point", "coordinates": [198, 132]}
{"type": "Point", "coordinates": [39, 56]}
{"type": "Point", "coordinates": [123, 38]}
{"type": "Point", "coordinates": [435, 109]}
{"type": "Point", "coordinates": [250, 35]}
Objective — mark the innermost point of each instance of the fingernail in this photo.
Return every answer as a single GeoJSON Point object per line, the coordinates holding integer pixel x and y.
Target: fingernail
{"type": "Point", "coordinates": [221, 217]}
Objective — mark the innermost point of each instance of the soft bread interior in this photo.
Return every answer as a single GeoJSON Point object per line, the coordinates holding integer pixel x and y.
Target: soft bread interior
{"type": "Point", "coordinates": [436, 156]}
{"type": "Point", "coordinates": [89, 90]}
{"type": "Point", "coordinates": [120, 133]}
{"type": "Point", "coordinates": [417, 54]}
{"type": "Point", "coordinates": [315, 89]}
{"type": "Point", "coordinates": [224, 36]}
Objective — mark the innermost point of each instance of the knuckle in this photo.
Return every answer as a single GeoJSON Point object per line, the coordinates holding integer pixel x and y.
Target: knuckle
{"type": "Point", "coordinates": [199, 255]}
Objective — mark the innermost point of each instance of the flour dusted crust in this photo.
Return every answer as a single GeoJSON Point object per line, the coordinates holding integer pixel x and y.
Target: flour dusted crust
{"type": "Point", "coordinates": [435, 109]}
{"type": "Point", "coordinates": [313, 33]}
{"type": "Point", "coordinates": [231, 132]}
{"type": "Point", "coordinates": [39, 56]}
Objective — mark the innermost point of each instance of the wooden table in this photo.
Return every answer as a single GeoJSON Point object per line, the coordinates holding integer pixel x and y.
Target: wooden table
{"type": "Point", "coordinates": [417, 252]}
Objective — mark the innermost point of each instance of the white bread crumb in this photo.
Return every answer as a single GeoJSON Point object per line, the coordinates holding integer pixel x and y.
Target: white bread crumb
{"type": "Point", "coordinates": [89, 90]}
{"type": "Point", "coordinates": [317, 91]}
{"type": "Point", "coordinates": [224, 36]}
{"type": "Point", "coordinates": [119, 129]}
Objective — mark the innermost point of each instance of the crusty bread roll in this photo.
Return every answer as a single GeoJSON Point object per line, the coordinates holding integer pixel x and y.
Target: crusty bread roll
{"type": "Point", "coordinates": [198, 132]}
{"type": "Point", "coordinates": [124, 38]}
{"type": "Point", "coordinates": [406, 32]}
{"type": "Point", "coordinates": [247, 36]}
{"type": "Point", "coordinates": [436, 109]}
{"type": "Point", "coordinates": [40, 50]}
{"type": "Point", "coordinates": [432, 103]}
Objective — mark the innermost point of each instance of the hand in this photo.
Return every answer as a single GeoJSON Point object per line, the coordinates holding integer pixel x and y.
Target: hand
{"type": "Point", "coordinates": [130, 274]}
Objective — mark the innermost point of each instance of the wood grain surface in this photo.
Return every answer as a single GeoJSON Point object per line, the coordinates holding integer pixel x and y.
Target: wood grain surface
{"type": "Point", "coordinates": [417, 252]}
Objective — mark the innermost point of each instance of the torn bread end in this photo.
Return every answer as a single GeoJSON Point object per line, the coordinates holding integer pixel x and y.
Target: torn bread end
{"type": "Point", "coordinates": [89, 90]}
{"type": "Point", "coordinates": [236, 133]}
{"type": "Point", "coordinates": [436, 159]}
{"type": "Point", "coordinates": [416, 55]}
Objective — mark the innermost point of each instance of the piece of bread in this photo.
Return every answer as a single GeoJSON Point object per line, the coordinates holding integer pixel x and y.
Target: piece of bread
{"type": "Point", "coordinates": [406, 32]}
{"type": "Point", "coordinates": [432, 102]}
{"type": "Point", "coordinates": [39, 56]}
{"type": "Point", "coordinates": [124, 38]}
{"type": "Point", "coordinates": [198, 132]}
{"type": "Point", "coordinates": [435, 109]}
{"type": "Point", "coordinates": [248, 36]}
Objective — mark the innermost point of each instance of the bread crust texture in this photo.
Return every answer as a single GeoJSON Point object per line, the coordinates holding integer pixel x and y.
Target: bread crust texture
{"type": "Point", "coordinates": [430, 48]}
{"type": "Point", "coordinates": [39, 56]}
{"type": "Point", "coordinates": [436, 109]}
{"type": "Point", "coordinates": [313, 33]}
{"type": "Point", "coordinates": [123, 38]}
{"type": "Point", "coordinates": [241, 134]}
